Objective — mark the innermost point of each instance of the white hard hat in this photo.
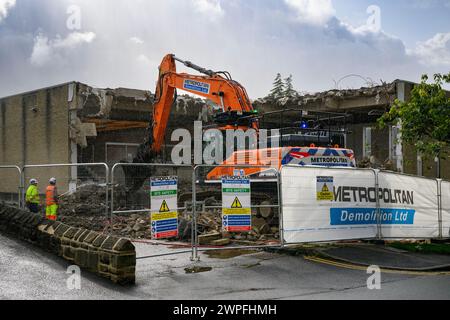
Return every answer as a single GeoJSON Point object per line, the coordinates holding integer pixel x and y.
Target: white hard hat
{"type": "Point", "coordinates": [52, 180]}
{"type": "Point", "coordinates": [33, 181]}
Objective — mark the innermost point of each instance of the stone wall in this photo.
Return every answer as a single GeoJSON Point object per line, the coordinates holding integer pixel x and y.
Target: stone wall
{"type": "Point", "coordinates": [110, 257]}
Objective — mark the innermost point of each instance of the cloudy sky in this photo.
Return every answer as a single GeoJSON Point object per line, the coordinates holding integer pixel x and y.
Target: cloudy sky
{"type": "Point", "coordinates": [120, 43]}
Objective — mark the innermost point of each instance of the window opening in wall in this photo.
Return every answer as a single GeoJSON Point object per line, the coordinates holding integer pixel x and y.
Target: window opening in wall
{"type": "Point", "coordinates": [367, 142]}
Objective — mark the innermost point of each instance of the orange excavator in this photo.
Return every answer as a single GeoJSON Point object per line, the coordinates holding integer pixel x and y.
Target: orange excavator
{"type": "Point", "coordinates": [236, 113]}
{"type": "Point", "coordinates": [219, 87]}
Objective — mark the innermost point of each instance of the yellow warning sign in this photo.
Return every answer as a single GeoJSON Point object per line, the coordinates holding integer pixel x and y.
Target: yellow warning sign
{"type": "Point", "coordinates": [164, 207]}
{"type": "Point", "coordinates": [236, 204]}
{"type": "Point", "coordinates": [325, 186]}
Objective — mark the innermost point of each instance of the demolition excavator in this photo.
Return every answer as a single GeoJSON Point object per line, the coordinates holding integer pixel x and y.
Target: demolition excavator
{"type": "Point", "coordinates": [217, 86]}
{"type": "Point", "coordinates": [236, 112]}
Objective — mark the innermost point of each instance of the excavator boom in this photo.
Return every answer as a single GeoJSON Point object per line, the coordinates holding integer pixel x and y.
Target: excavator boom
{"type": "Point", "coordinates": [220, 89]}
{"type": "Point", "coordinates": [236, 109]}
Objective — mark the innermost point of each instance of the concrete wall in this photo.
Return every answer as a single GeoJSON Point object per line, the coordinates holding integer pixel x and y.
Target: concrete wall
{"type": "Point", "coordinates": [34, 129]}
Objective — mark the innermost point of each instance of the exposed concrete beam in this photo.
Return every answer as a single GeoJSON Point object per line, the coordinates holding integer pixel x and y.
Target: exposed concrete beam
{"type": "Point", "coordinates": [112, 125]}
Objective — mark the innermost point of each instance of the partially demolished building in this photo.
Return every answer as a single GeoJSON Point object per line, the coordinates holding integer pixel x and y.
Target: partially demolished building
{"type": "Point", "coordinates": [76, 123]}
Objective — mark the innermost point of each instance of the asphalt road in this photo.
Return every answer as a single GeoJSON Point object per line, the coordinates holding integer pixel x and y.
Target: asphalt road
{"type": "Point", "coordinates": [28, 272]}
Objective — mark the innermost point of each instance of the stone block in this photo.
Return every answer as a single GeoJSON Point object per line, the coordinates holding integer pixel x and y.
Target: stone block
{"type": "Point", "coordinates": [105, 257]}
{"type": "Point", "coordinates": [109, 243]}
{"type": "Point", "coordinates": [99, 240]}
{"type": "Point", "coordinates": [91, 237]}
{"type": "Point", "coordinates": [61, 229]}
{"type": "Point", "coordinates": [81, 257]}
{"type": "Point", "coordinates": [93, 260]}
{"type": "Point", "coordinates": [124, 245]}
{"type": "Point", "coordinates": [120, 261]}
{"type": "Point", "coordinates": [68, 253]}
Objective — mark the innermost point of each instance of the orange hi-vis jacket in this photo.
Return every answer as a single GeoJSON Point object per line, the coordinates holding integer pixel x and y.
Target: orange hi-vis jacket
{"type": "Point", "coordinates": [50, 193]}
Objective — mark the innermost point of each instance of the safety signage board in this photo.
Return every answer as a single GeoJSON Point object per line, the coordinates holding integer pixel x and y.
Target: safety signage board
{"type": "Point", "coordinates": [164, 207]}
{"type": "Point", "coordinates": [236, 204]}
{"type": "Point", "coordinates": [324, 189]}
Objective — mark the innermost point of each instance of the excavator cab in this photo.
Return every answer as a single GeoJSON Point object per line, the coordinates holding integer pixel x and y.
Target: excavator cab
{"type": "Point", "coordinates": [233, 118]}
{"type": "Point", "coordinates": [303, 138]}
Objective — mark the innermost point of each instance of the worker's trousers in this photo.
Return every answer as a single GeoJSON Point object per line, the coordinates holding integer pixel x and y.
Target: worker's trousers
{"type": "Point", "coordinates": [33, 207]}
{"type": "Point", "coordinates": [51, 212]}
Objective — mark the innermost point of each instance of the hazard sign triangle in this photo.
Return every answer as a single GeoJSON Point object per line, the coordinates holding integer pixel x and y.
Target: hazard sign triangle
{"type": "Point", "coordinates": [164, 207]}
{"type": "Point", "coordinates": [325, 188]}
{"type": "Point", "coordinates": [236, 204]}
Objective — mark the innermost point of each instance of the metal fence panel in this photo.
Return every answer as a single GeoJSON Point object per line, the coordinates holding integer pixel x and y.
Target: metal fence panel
{"type": "Point", "coordinates": [409, 206]}
{"type": "Point", "coordinates": [82, 189]}
{"type": "Point", "coordinates": [17, 190]}
{"type": "Point", "coordinates": [208, 205]}
{"type": "Point", "coordinates": [130, 204]}
{"type": "Point", "coordinates": [328, 204]}
{"type": "Point", "coordinates": [445, 209]}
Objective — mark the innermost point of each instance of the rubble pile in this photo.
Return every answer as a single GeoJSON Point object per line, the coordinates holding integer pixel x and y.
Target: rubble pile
{"type": "Point", "coordinates": [326, 97]}
{"type": "Point", "coordinates": [86, 200]}
{"type": "Point", "coordinates": [86, 208]}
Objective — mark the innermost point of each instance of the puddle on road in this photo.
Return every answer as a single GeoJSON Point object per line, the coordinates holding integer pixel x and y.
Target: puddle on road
{"type": "Point", "coordinates": [228, 254]}
{"type": "Point", "coordinates": [248, 266]}
{"type": "Point", "coordinates": [197, 269]}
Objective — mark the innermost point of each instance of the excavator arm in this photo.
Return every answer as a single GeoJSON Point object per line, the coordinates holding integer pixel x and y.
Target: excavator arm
{"type": "Point", "coordinates": [237, 111]}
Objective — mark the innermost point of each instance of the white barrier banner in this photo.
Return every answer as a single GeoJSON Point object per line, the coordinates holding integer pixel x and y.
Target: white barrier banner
{"type": "Point", "coordinates": [311, 215]}
{"type": "Point", "coordinates": [322, 204]}
{"type": "Point", "coordinates": [409, 206]}
{"type": "Point", "coordinates": [445, 196]}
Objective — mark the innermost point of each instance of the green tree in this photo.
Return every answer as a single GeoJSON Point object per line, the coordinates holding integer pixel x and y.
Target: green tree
{"type": "Point", "coordinates": [289, 91]}
{"type": "Point", "coordinates": [425, 118]}
{"type": "Point", "coordinates": [278, 88]}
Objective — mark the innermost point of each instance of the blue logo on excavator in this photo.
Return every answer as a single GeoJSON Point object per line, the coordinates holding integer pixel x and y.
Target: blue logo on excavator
{"type": "Point", "coordinates": [196, 86]}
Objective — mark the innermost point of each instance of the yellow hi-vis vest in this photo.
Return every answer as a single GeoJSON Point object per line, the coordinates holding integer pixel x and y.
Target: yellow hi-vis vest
{"type": "Point", "coordinates": [32, 195]}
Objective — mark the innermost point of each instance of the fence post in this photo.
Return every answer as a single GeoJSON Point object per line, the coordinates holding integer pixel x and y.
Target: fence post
{"type": "Point", "coordinates": [378, 208]}
{"type": "Point", "coordinates": [280, 206]}
{"type": "Point", "coordinates": [107, 191]}
{"type": "Point", "coordinates": [439, 199]}
{"type": "Point", "coordinates": [112, 193]}
{"type": "Point", "coordinates": [22, 188]}
{"type": "Point", "coordinates": [194, 241]}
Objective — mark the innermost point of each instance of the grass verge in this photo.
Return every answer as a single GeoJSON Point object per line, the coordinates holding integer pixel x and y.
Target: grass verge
{"type": "Point", "coordinates": [439, 248]}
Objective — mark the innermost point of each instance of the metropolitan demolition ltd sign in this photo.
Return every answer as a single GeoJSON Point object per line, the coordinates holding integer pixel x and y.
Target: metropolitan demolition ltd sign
{"type": "Point", "coordinates": [398, 212]}
{"type": "Point", "coordinates": [197, 86]}
{"type": "Point", "coordinates": [164, 207]}
{"type": "Point", "coordinates": [236, 204]}
{"type": "Point", "coordinates": [399, 206]}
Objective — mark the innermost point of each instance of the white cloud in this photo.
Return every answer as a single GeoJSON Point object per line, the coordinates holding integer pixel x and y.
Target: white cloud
{"type": "Point", "coordinates": [262, 38]}
{"type": "Point", "coordinates": [73, 40]}
{"type": "Point", "coordinates": [46, 50]}
{"type": "Point", "coordinates": [315, 12]}
{"type": "Point", "coordinates": [146, 61]}
{"type": "Point", "coordinates": [434, 51]}
{"type": "Point", "coordinates": [211, 8]}
{"type": "Point", "coordinates": [136, 40]}
{"type": "Point", "coordinates": [5, 6]}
